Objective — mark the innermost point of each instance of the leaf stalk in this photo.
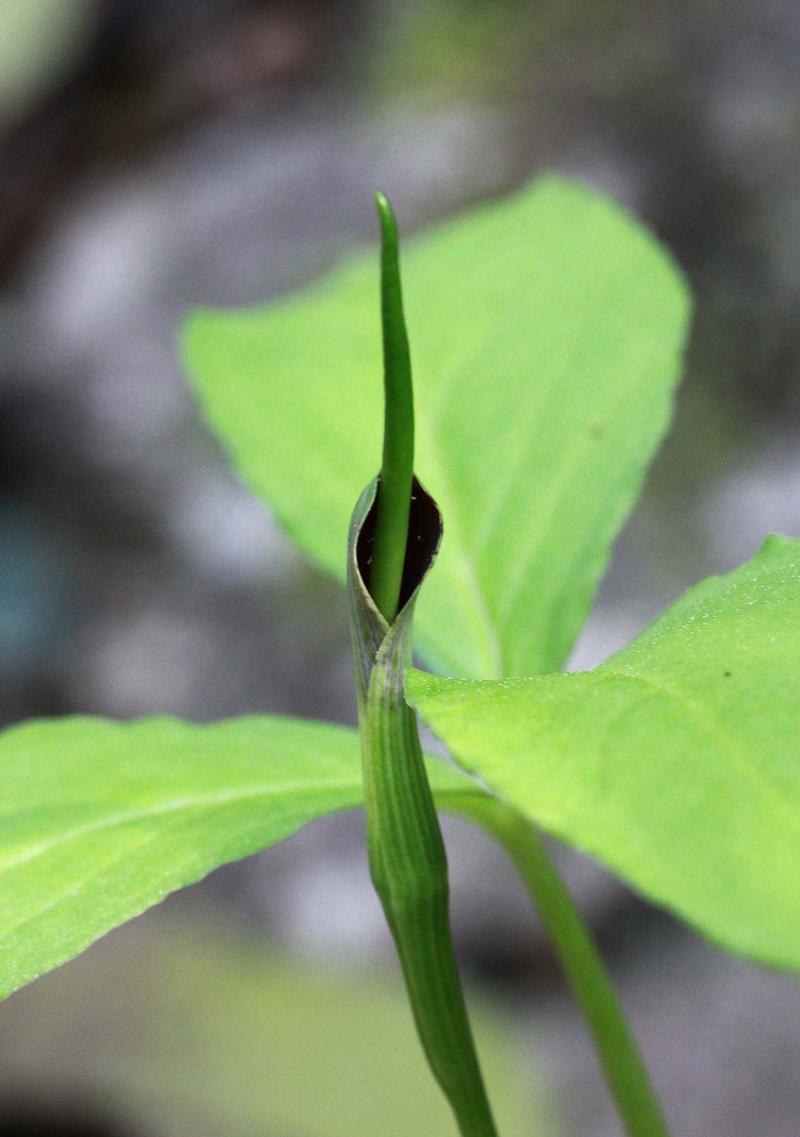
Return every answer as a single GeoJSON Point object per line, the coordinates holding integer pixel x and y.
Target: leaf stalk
{"type": "Point", "coordinates": [624, 1070]}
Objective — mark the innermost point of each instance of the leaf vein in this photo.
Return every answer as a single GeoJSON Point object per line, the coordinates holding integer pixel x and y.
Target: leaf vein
{"type": "Point", "coordinates": [740, 757]}
{"type": "Point", "coordinates": [161, 809]}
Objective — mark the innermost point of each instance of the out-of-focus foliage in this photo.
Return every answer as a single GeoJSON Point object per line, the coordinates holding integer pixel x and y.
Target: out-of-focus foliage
{"type": "Point", "coordinates": [37, 41]}
{"type": "Point", "coordinates": [208, 1035]}
{"type": "Point", "coordinates": [455, 46]}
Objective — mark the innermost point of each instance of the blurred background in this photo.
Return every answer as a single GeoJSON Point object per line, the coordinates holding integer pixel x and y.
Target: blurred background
{"type": "Point", "coordinates": [157, 154]}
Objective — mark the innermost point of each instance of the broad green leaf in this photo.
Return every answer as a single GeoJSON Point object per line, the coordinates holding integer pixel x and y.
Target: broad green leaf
{"type": "Point", "coordinates": [676, 762]}
{"type": "Point", "coordinates": [213, 1035]}
{"type": "Point", "coordinates": [545, 336]}
{"type": "Point", "coordinates": [99, 820]}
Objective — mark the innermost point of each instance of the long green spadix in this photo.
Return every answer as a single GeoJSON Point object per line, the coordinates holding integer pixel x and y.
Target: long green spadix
{"type": "Point", "coordinates": [397, 469]}
{"type": "Point", "coordinates": [406, 853]}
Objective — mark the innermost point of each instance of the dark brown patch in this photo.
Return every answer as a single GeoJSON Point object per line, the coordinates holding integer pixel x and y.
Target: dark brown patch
{"type": "Point", "coordinates": [424, 534]}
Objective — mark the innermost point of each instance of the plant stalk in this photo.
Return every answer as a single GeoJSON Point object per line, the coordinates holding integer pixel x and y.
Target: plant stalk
{"type": "Point", "coordinates": [409, 870]}
{"type": "Point", "coordinates": [625, 1073]}
{"type": "Point", "coordinates": [406, 852]}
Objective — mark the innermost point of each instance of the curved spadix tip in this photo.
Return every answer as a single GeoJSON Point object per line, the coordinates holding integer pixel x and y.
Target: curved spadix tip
{"type": "Point", "coordinates": [385, 214]}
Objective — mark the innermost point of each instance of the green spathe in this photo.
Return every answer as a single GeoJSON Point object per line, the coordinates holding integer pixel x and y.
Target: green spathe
{"type": "Point", "coordinates": [407, 859]}
{"type": "Point", "coordinates": [547, 332]}
{"type": "Point", "coordinates": [676, 762]}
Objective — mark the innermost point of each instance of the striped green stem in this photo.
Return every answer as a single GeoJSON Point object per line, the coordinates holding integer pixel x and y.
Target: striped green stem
{"type": "Point", "coordinates": [409, 870]}
{"type": "Point", "coordinates": [406, 853]}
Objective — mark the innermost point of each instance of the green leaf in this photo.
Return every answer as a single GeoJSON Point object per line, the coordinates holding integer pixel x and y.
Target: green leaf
{"type": "Point", "coordinates": [545, 339]}
{"type": "Point", "coordinates": [100, 820]}
{"type": "Point", "coordinates": [676, 762]}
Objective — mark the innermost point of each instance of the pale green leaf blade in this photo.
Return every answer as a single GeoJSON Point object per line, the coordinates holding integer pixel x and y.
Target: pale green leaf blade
{"type": "Point", "coordinates": [546, 334]}
{"type": "Point", "coordinates": [676, 762]}
{"type": "Point", "coordinates": [99, 820]}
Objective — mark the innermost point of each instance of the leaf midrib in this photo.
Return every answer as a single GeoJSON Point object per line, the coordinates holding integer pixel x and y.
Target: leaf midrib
{"type": "Point", "coordinates": [165, 808]}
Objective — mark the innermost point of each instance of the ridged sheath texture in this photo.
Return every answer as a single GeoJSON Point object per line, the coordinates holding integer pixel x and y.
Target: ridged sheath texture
{"type": "Point", "coordinates": [406, 853]}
